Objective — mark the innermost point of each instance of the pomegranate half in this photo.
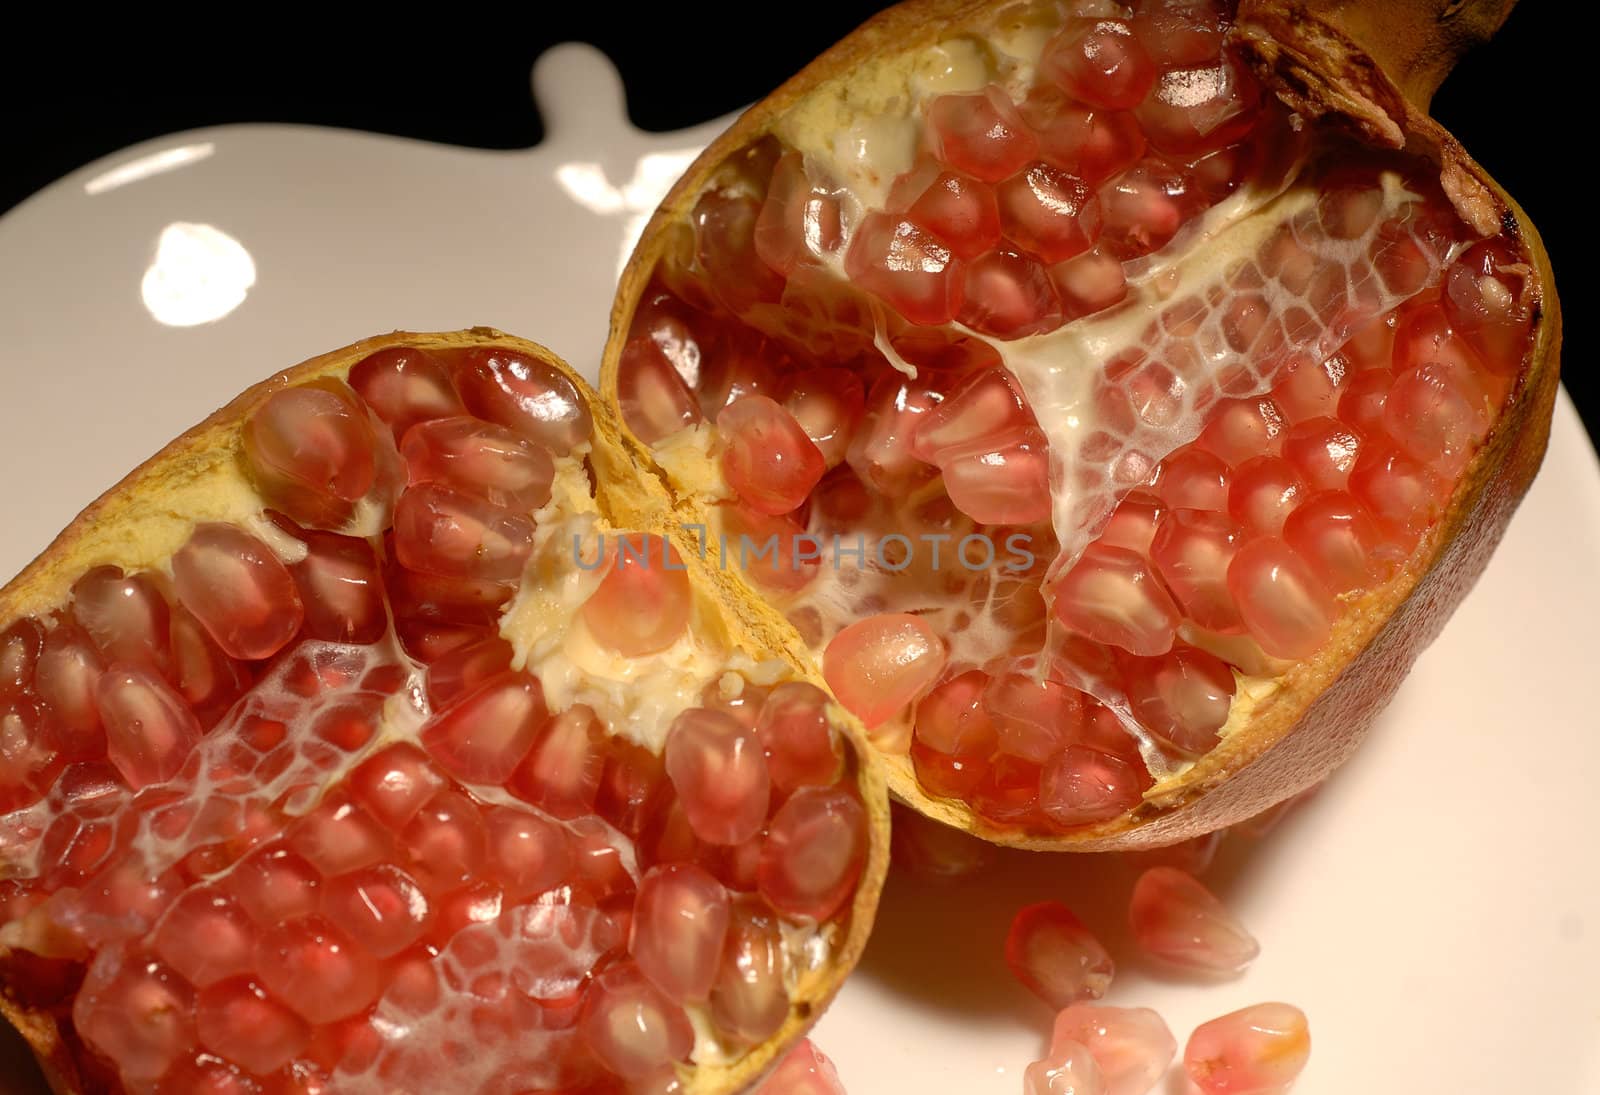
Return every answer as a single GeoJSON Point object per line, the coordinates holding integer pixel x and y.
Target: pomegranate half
{"type": "Point", "coordinates": [380, 734]}
{"type": "Point", "coordinates": [1213, 367]}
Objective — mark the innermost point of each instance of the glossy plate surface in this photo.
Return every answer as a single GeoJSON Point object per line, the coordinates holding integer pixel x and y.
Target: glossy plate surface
{"type": "Point", "coordinates": [1435, 909]}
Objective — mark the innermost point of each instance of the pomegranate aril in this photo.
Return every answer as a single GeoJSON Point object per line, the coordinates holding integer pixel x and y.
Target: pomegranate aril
{"type": "Point", "coordinates": [1055, 957]}
{"type": "Point", "coordinates": [240, 1021]}
{"type": "Point", "coordinates": [987, 407]}
{"type": "Point", "coordinates": [125, 615]}
{"type": "Point", "coordinates": [1033, 719]}
{"type": "Point", "coordinates": [720, 774]}
{"type": "Point", "coordinates": [981, 134]}
{"type": "Point", "coordinates": [799, 221]}
{"type": "Point", "coordinates": [680, 920]}
{"type": "Point", "coordinates": [1283, 603]}
{"type": "Point", "coordinates": [1142, 208]}
{"type": "Point", "coordinates": [1342, 542]}
{"type": "Point", "coordinates": [206, 937]}
{"type": "Point", "coordinates": [953, 719]}
{"type": "Point", "coordinates": [1111, 597]}
{"type": "Point", "coordinates": [135, 1012]}
{"type": "Point", "coordinates": [381, 906]}
{"type": "Point", "coordinates": [725, 227]}
{"type": "Point", "coordinates": [1100, 62]}
{"type": "Point", "coordinates": [150, 731]}
{"type": "Point", "coordinates": [238, 590]}
{"type": "Point", "coordinates": [1193, 479]}
{"type": "Point", "coordinates": [804, 1070]}
{"type": "Point", "coordinates": [1264, 492]}
{"type": "Point", "coordinates": [404, 385]}
{"type": "Point", "coordinates": [748, 997]}
{"type": "Point", "coordinates": [274, 886]}
{"type": "Point", "coordinates": [1005, 483]}
{"type": "Point", "coordinates": [1068, 1069]}
{"type": "Point", "coordinates": [877, 666]}
{"type": "Point", "coordinates": [1434, 417]}
{"type": "Point", "coordinates": [29, 762]}
{"type": "Point", "coordinates": [803, 749]}
{"type": "Point", "coordinates": [652, 395]}
{"type": "Point", "coordinates": [768, 460]}
{"type": "Point", "coordinates": [516, 391]}
{"type": "Point", "coordinates": [814, 852]}
{"type": "Point", "coordinates": [441, 531]}
{"type": "Point", "coordinates": [1180, 32]}
{"type": "Point", "coordinates": [1405, 496]}
{"type": "Point", "coordinates": [483, 736]}
{"type": "Point", "coordinates": [1132, 1046]}
{"type": "Point", "coordinates": [1182, 697]}
{"type": "Point", "coordinates": [961, 212]}
{"type": "Point", "coordinates": [561, 773]}
{"type": "Point", "coordinates": [1007, 791]}
{"type": "Point", "coordinates": [20, 645]}
{"type": "Point", "coordinates": [1008, 295]}
{"type": "Point", "coordinates": [1486, 298]}
{"type": "Point", "coordinates": [314, 452]}
{"type": "Point", "coordinates": [1089, 283]}
{"type": "Point", "coordinates": [527, 852]}
{"type": "Point", "coordinates": [907, 267]}
{"type": "Point", "coordinates": [465, 669]}
{"type": "Point", "coordinates": [1199, 109]}
{"type": "Point", "coordinates": [341, 589]}
{"type": "Point", "coordinates": [1092, 144]}
{"type": "Point", "coordinates": [447, 841]}
{"type": "Point", "coordinates": [827, 403]}
{"type": "Point", "coordinates": [642, 604]}
{"type": "Point", "coordinates": [1242, 429]}
{"type": "Point", "coordinates": [630, 1026]}
{"type": "Point", "coordinates": [881, 451]}
{"type": "Point", "coordinates": [1177, 920]}
{"type": "Point", "coordinates": [1083, 785]}
{"type": "Point", "coordinates": [1362, 404]}
{"type": "Point", "coordinates": [629, 786]}
{"type": "Point", "coordinates": [1259, 1050]}
{"type": "Point", "coordinates": [394, 784]}
{"type": "Point", "coordinates": [339, 836]}
{"type": "Point", "coordinates": [1323, 452]}
{"type": "Point", "coordinates": [317, 971]}
{"type": "Point", "coordinates": [1192, 550]}
{"type": "Point", "coordinates": [1049, 213]}
{"type": "Point", "coordinates": [480, 458]}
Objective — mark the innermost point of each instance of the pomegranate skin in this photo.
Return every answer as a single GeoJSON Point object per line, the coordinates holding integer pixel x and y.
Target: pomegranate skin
{"type": "Point", "coordinates": [1369, 68]}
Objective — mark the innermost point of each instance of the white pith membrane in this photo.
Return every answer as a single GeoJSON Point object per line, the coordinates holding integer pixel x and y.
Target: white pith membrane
{"type": "Point", "coordinates": [1272, 280]}
{"type": "Point", "coordinates": [91, 872]}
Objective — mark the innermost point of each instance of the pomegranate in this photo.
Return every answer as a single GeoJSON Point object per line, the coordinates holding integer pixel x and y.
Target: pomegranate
{"type": "Point", "coordinates": [1183, 374]}
{"type": "Point", "coordinates": [377, 736]}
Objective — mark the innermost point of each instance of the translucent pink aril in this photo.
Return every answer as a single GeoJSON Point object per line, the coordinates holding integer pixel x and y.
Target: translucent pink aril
{"type": "Point", "coordinates": [526, 395]}
{"type": "Point", "coordinates": [339, 836]}
{"type": "Point", "coordinates": [1193, 479]}
{"type": "Point", "coordinates": [907, 267]}
{"type": "Point", "coordinates": [768, 460]}
{"type": "Point", "coordinates": [1404, 496]}
{"type": "Point", "coordinates": [480, 458]}
{"type": "Point", "coordinates": [527, 853]}
{"type": "Point", "coordinates": [1111, 597]}
{"type": "Point", "coordinates": [1283, 603]}
{"type": "Point", "coordinates": [1323, 451]}
{"type": "Point", "coordinates": [1192, 550]}
{"type": "Point", "coordinates": [1132, 1046]}
{"type": "Point", "coordinates": [393, 784]}
{"type": "Point", "coordinates": [989, 406]}
{"type": "Point", "coordinates": [448, 842]}
{"type": "Point", "coordinates": [1004, 483]}
{"type": "Point", "coordinates": [561, 773]}
{"type": "Point", "coordinates": [150, 731]}
{"type": "Point", "coordinates": [1049, 213]}
{"type": "Point", "coordinates": [1240, 430]}
{"type": "Point", "coordinates": [803, 749]}
{"type": "Point", "coordinates": [1264, 492]}
{"type": "Point", "coordinates": [240, 1021]}
{"type": "Point", "coordinates": [804, 1070]}
{"type": "Point", "coordinates": [1178, 921]}
{"type": "Point", "coordinates": [1055, 957]}
{"type": "Point", "coordinates": [405, 385]}
{"type": "Point", "coordinates": [1435, 417]}
{"type": "Point", "coordinates": [206, 937]}
{"type": "Point", "coordinates": [959, 211]}
{"type": "Point", "coordinates": [441, 531]}
{"type": "Point", "coordinates": [1486, 298]}
{"type": "Point", "coordinates": [1259, 1050]}
{"type": "Point", "coordinates": [981, 134]}
{"type": "Point", "coordinates": [238, 590]}
{"type": "Point", "coordinates": [680, 920]}
{"type": "Point", "coordinates": [1033, 720]}
{"type": "Point", "coordinates": [125, 615]}
{"type": "Point", "coordinates": [813, 853]}
{"type": "Point", "coordinates": [1068, 1069]}
{"type": "Point", "coordinates": [799, 220]}
{"type": "Point", "coordinates": [881, 453]}
{"type": "Point", "coordinates": [381, 906]}
{"type": "Point", "coordinates": [654, 400]}
{"type": "Point", "coordinates": [1089, 283]}
{"type": "Point", "coordinates": [137, 1013]}
{"type": "Point", "coordinates": [275, 885]}
{"type": "Point", "coordinates": [465, 668]}
{"type": "Point", "coordinates": [341, 589]}
{"type": "Point", "coordinates": [720, 773]}
{"type": "Point", "coordinates": [748, 998]}
{"type": "Point", "coordinates": [1336, 535]}
{"type": "Point", "coordinates": [1183, 697]}
{"type": "Point", "coordinates": [630, 1027]}
{"type": "Point", "coordinates": [1099, 62]}
{"type": "Point", "coordinates": [1008, 295]}
{"type": "Point", "coordinates": [953, 720]}
{"type": "Point", "coordinates": [1092, 144]}
{"type": "Point", "coordinates": [1142, 208]}
{"type": "Point", "coordinates": [482, 737]}
{"type": "Point", "coordinates": [313, 451]}
{"type": "Point", "coordinates": [642, 605]}
{"type": "Point", "coordinates": [1191, 111]}
{"type": "Point", "coordinates": [1084, 785]}
{"type": "Point", "coordinates": [827, 403]}
{"type": "Point", "coordinates": [876, 666]}
{"type": "Point", "coordinates": [317, 971]}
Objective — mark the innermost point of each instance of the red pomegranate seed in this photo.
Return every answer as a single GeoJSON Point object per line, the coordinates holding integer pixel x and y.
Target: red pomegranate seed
{"type": "Point", "coordinates": [1133, 523]}
{"type": "Point", "coordinates": [773, 552]}
{"type": "Point", "coordinates": [642, 604]}
{"type": "Point", "coordinates": [1033, 720]}
{"type": "Point", "coordinates": [275, 886]}
{"type": "Point", "coordinates": [1090, 283]}
{"type": "Point", "coordinates": [135, 1012]}
{"type": "Point", "coordinates": [1182, 697]}
{"type": "Point", "coordinates": [1192, 111]}
{"type": "Point", "coordinates": [443, 532]}
{"type": "Point", "coordinates": [881, 452]}
{"type": "Point", "coordinates": [1049, 213]}
{"type": "Point", "coordinates": [1177, 920]}
{"type": "Point", "coordinates": [906, 267]}
{"type": "Point", "coordinates": [989, 406]}
{"type": "Point", "coordinates": [339, 836]}
{"type": "Point", "coordinates": [1055, 957]}
{"type": "Point", "coordinates": [981, 134]}
{"type": "Point", "coordinates": [1193, 479]}
{"type": "Point", "coordinates": [630, 785]}
{"type": "Point", "coordinates": [29, 763]}
{"type": "Point", "coordinates": [317, 971]}
{"type": "Point", "coordinates": [314, 452]}
{"type": "Point", "coordinates": [1362, 404]}
{"type": "Point", "coordinates": [20, 645]}
{"type": "Point", "coordinates": [205, 677]}
{"type": "Point", "coordinates": [961, 212]}
{"type": "Point", "coordinates": [527, 852]}
{"type": "Point", "coordinates": [1259, 1049]}
{"type": "Point", "coordinates": [236, 587]}
{"type": "Point", "coordinates": [1132, 1046]}
{"type": "Point", "coordinates": [1083, 785]}
{"type": "Point", "coordinates": [652, 395]}
{"type": "Point", "coordinates": [382, 906]}
{"type": "Point", "coordinates": [1192, 550]}
{"type": "Point", "coordinates": [1004, 483]}
{"type": "Point", "coordinates": [1281, 600]}
{"type": "Point", "coordinates": [814, 852]}
{"type": "Point", "coordinates": [1311, 391]}
{"type": "Point", "coordinates": [340, 588]}
{"type": "Point", "coordinates": [828, 404]}
{"type": "Point", "coordinates": [803, 749]}
{"type": "Point", "coordinates": [392, 785]}
{"type": "Point", "coordinates": [405, 385]}
{"type": "Point", "coordinates": [1341, 540]}
{"type": "Point", "coordinates": [1435, 417]}
{"type": "Point", "coordinates": [240, 1021]}
{"type": "Point", "coordinates": [480, 458]}
{"type": "Point", "coordinates": [1068, 1069]}
{"type": "Point", "coordinates": [1143, 208]}
{"type": "Point", "coordinates": [206, 937]}
{"type": "Point", "coordinates": [953, 720]}
{"type": "Point", "coordinates": [725, 225]}
{"type": "Point", "coordinates": [448, 842]}
{"type": "Point", "coordinates": [720, 775]}
{"type": "Point", "coordinates": [768, 460]}
{"type": "Point", "coordinates": [1265, 491]}
{"type": "Point", "coordinates": [799, 221]}
{"type": "Point", "coordinates": [1402, 494]}
{"type": "Point", "coordinates": [879, 665]}
{"type": "Point", "coordinates": [748, 997]}
{"type": "Point", "coordinates": [561, 773]}
{"type": "Point", "coordinates": [630, 1026]}
{"type": "Point", "coordinates": [680, 921]}
{"type": "Point", "coordinates": [1486, 299]}
{"type": "Point", "coordinates": [1100, 62]}
{"type": "Point", "coordinates": [804, 1070]}
{"type": "Point", "coordinates": [466, 668]}
{"type": "Point", "coordinates": [1008, 295]}
{"type": "Point", "coordinates": [125, 615]}
{"type": "Point", "coordinates": [518, 392]}
{"type": "Point", "coordinates": [1111, 597]}
{"type": "Point", "coordinates": [150, 731]}
{"type": "Point", "coordinates": [482, 737]}
{"type": "Point", "coordinates": [1242, 429]}
{"type": "Point", "coordinates": [1092, 144]}
{"type": "Point", "coordinates": [1323, 452]}
{"type": "Point", "coordinates": [1179, 33]}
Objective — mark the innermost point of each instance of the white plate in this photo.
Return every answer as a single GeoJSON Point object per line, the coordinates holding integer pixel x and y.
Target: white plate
{"type": "Point", "coordinates": [1436, 910]}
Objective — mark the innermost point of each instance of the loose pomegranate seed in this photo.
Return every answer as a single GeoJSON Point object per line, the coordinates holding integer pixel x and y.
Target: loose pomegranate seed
{"type": "Point", "coordinates": [799, 221]}
{"type": "Point", "coordinates": [314, 452]}
{"type": "Point", "coordinates": [680, 921]}
{"type": "Point", "coordinates": [150, 731]}
{"type": "Point", "coordinates": [1111, 596]}
{"type": "Point", "coordinates": [1179, 921]}
{"type": "Point", "coordinates": [405, 385]}
{"type": "Point", "coordinates": [561, 773]}
{"type": "Point", "coordinates": [1100, 62]}
{"type": "Point", "coordinates": [240, 1021]}
{"type": "Point", "coordinates": [1083, 785]}
{"type": "Point", "coordinates": [1049, 213]}
{"type": "Point", "coordinates": [803, 749]}
{"type": "Point", "coordinates": [135, 1012]}
{"type": "Point", "coordinates": [238, 590]}
{"type": "Point", "coordinates": [906, 267]}
{"type": "Point", "coordinates": [444, 532]}
{"type": "Point", "coordinates": [341, 589]}
{"type": "Point", "coordinates": [814, 852]}
{"type": "Point", "coordinates": [630, 1026]}
{"type": "Point", "coordinates": [961, 212]}
{"type": "Point", "coordinates": [1282, 602]}
{"type": "Point", "coordinates": [804, 1070]}
{"type": "Point", "coordinates": [982, 134]}
{"type": "Point", "coordinates": [879, 665]}
{"type": "Point", "coordinates": [482, 737]}
{"type": "Point", "coordinates": [1068, 1069]}
{"type": "Point", "coordinates": [1008, 295]}
{"type": "Point", "coordinates": [1191, 111]}
{"type": "Point", "coordinates": [125, 615]}
{"type": "Point", "coordinates": [206, 937]}
{"type": "Point", "coordinates": [720, 775]}
{"type": "Point", "coordinates": [828, 404]}
{"type": "Point", "coordinates": [642, 604]}
{"type": "Point", "coordinates": [1259, 1049]}
{"type": "Point", "coordinates": [480, 458]}
{"type": "Point", "coordinates": [1055, 957]}
{"type": "Point", "coordinates": [768, 459]}
{"type": "Point", "coordinates": [1192, 551]}
{"type": "Point", "coordinates": [748, 997]}
{"type": "Point", "coordinates": [528, 396]}
{"type": "Point", "coordinates": [1132, 1046]}
{"type": "Point", "coordinates": [1182, 697]}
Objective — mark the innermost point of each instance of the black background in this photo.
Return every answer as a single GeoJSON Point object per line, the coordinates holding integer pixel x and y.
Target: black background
{"type": "Point", "coordinates": [69, 95]}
